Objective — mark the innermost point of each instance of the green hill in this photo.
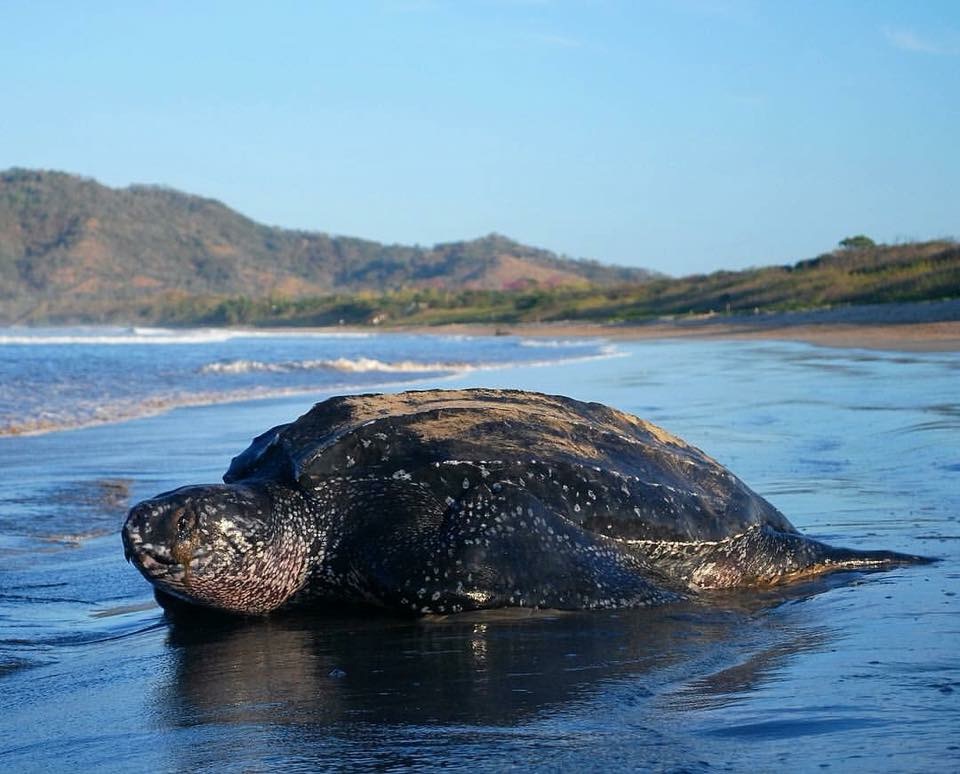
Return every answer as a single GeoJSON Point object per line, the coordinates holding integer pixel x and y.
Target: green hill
{"type": "Point", "coordinates": [73, 248]}
{"type": "Point", "coordinates": [870, 275]}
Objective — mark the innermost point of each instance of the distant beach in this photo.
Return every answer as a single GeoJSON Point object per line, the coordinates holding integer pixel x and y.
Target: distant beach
{"type": "Point", "coordinates": [932, 326]}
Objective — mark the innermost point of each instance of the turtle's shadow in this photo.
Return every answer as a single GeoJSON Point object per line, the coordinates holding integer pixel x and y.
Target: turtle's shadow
{"type": "Point", "coordinates": [492, 668]}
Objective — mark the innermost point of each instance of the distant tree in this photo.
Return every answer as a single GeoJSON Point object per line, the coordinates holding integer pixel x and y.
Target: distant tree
{"type": "Point", "coordinates": [858, 242]}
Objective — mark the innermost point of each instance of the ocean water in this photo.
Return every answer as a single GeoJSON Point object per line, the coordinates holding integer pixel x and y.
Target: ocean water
{"type": "Point", "coordinates": [62, 378]}
{"type": "Point", "coordinates": [857, 672]}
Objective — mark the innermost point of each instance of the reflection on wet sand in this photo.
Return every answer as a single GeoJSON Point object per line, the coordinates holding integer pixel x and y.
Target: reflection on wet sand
{"type": "Point", "coordinates": [856, 677]}
{"type": "Point", "coordinates": [733, 682]}
{"type": "Point", "coordinates": [308, 674]}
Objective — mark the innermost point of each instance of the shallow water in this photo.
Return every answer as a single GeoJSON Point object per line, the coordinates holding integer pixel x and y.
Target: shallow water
{"type": "Point", "coordinates": [860, 672]}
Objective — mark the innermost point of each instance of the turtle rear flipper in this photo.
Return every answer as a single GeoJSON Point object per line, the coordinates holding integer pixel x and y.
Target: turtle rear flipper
{"type": "Point", "coordinates": [764, 556]}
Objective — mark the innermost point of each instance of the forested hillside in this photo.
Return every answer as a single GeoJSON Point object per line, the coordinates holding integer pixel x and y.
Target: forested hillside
{"type": "Point", "coordinates": [70, 246]}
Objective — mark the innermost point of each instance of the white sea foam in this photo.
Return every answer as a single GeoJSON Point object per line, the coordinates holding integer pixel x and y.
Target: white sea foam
{"type": "Point", "coordinates": [137, 335]}
{"type": "Point", "coordinates": [344, 364]}
{"type": "Point", "coordinates": [80, 416]}
{"type": "Point", "coordinates": [368, 364]}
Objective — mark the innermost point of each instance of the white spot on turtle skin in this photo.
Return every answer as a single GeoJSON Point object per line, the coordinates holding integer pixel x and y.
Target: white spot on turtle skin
{"type": "Point", "coordinates": [401, 475]}
{"type": "Point", "coordinates": [466, 483]}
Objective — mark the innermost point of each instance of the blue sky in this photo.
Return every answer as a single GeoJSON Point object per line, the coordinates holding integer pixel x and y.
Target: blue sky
{"type": "Point", "coordinates": [680, 135]}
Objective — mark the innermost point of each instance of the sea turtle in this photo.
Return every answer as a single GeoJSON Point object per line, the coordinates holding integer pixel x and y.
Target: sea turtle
{"type": "Point", "coordinates": [437, 502]}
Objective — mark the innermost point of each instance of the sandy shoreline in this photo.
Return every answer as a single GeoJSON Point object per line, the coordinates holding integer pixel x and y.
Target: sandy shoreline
{"type": "Point", "coordinates": [922, 327]}
{"type": "Point", "coordinates": [862, 454]}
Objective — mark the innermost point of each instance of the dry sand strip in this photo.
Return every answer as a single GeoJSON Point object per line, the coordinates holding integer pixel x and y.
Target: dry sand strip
{"type": "Point", "coordinates": [917, 337]}
{"type": "Point", "coordinates": [916, 327]}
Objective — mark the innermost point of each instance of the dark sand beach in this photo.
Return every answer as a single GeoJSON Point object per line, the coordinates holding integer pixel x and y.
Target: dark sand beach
{"type": "Point", "coordinates": [858, 447]}
{"type": "Point", "coordinates": [610, 197]}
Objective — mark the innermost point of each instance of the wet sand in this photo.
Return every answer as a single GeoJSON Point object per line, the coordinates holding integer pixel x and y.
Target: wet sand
{"type": "Point", "coordinates": [919, 327]}
{"type": "Point", "coordinates": [855, 673]}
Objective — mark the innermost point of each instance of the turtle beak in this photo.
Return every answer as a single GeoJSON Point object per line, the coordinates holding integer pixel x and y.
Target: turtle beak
{"type": "Point", "coordinates": [152, 529]}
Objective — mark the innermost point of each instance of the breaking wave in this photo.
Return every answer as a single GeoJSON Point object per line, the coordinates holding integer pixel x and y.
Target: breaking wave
{"type": "Point", "coordinates": [343, 364]}
{"type": "Point", "coordinates": [111, 412]}
{"type": "Point", "coordinates": [359, 365]}
{"type": "Point", "coordinates": [44, 391]}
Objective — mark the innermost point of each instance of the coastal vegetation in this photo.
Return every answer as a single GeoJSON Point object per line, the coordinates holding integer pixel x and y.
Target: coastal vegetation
{"type": "Point", "coordinates": [881, 274]}
{"type": "Point", "coordinates": [72, 250]}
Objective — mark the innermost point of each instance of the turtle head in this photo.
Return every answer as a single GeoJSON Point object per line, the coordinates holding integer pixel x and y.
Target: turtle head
{"type": "Point", "coordinates": [220, 546]}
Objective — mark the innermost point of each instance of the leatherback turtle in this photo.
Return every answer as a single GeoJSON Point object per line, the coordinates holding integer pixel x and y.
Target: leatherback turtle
{"type": "Point", "coordinates": [446, 501]}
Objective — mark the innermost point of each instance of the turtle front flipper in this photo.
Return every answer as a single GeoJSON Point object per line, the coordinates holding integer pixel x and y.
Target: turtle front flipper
{"type": "Point", "coordinates": [762, 556]}
{"type": "Point", "coordinates": [507, 548]}
{"type": "Point", "coordinates": [496, 545]}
